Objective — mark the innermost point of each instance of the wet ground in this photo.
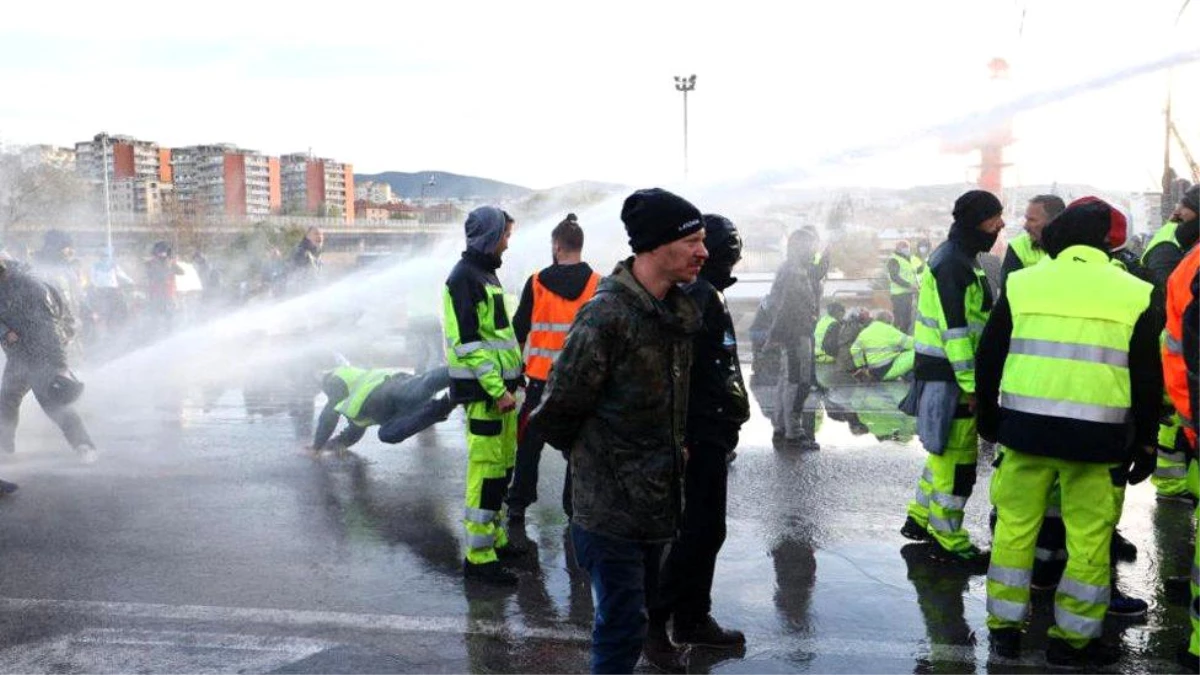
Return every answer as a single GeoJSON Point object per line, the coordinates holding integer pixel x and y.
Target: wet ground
{"type": "Point", "coordinates": [204, 542]}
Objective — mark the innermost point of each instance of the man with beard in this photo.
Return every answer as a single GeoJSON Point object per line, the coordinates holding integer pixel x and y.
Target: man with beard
{"type": "Point", "coordinates": [954, 303]}
{"type": "Point", "coordinates": [616, 401]}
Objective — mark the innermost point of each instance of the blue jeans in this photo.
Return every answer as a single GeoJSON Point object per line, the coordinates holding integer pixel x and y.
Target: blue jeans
{"type": "Point", "coordinates": [624, 582]}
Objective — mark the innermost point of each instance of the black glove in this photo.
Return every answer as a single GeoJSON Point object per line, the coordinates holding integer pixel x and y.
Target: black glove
{"type": "Point", "coordinates": [1142, 464]}
{"type": "Point", "coordinates": [987, 422]}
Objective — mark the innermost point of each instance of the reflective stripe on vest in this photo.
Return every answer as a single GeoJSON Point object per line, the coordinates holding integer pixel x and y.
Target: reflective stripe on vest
{"type": "Point", "coordinates": [878, 345]}
{"type": "Point", "coordinates": [1073, 317]}
{"type": "Point", "coordinates": [1179, 295]}
{"type": "Point", "coordinates": [489, 355]}
{"type": "Point", "coordinates": [956, 345]}
{"type": "Point", "coordinates": [551, 321]}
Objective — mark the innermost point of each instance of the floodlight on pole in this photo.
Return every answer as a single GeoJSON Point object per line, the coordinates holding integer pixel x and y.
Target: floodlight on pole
{"type": "Point", "coordinates": [685, 84]}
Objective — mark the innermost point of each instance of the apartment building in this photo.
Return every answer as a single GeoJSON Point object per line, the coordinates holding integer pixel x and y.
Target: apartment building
{"type": "Point", "coordinates": [317, 186]}
{"type": "Point", "coordinates": [139, 172]}
{"type": "Point", "coordinates": [222, 179]}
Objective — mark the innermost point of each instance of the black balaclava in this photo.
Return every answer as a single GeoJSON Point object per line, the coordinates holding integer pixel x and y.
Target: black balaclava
{"type": "Point", "coordinates": [970, 211]}
{"type": "Point", "coordinates": [724, 246]}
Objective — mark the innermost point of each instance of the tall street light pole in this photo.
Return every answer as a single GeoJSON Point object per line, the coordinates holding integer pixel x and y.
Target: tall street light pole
{"type": "Point", "coordinates": [685, 84]}
{"type": "Point", "coordinates": [107, 196]}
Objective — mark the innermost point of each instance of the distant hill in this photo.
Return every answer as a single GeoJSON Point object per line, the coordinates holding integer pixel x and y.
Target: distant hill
{"type": "Point", "coordinates": [445, 186]}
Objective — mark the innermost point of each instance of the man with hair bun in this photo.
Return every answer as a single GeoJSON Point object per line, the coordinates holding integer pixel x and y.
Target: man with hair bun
{"type": "Point", "coordinates": [548, 305]}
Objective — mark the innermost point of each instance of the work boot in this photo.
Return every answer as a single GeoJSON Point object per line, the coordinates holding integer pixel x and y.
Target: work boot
{"type": "Point", "coordinates": [1120, 604]}
{"type": "Point", "coordinates": [660, 652]}
{"type": "Point", "coordinates": [1095, 654]}
{"type": "Point", "coordinates": [489, 573]}
{"type": "Point", "coordinates": [513, 551]}
{"type": "Point", "coordinates": [913, 530]}
{"type": "Point", "coordinates": [973, 560]}
{"type": "Point", "coordinates": [706, 632]}
{"type": "Point", "coordinates": [1123, 549]}
{"type": "Point", "coordinates": [1005, 642]}
{"type": "Point", "coordinates": [7, 488]}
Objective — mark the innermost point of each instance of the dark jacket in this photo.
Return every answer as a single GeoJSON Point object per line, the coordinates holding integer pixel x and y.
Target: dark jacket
{"type": "Point", "coordinates": [1073, 439]}
{"type": "Point", "coordinates": [717, 403]}
{"type": "Point", "coordinates": [617, 402]}
{"type": "Point", "coordinates": [794, 305]}
{"type": "Point", "coordinates": [41, 318]}
{"type": "Point", "coordinates": [953, 266]}
{"type": "Point", "coordinates": [1165, 257]}
{"type": "Point", "coordinates": [565, 281]}
{"type": "Point", "coordinates": [1012, 263]}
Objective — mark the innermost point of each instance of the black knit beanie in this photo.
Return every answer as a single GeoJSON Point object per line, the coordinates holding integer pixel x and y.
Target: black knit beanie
{"type": "Point", "coordinates": [655, 217]}
{"type": "Point", "coordinates": [1191, 198]}
{"type": "Point", "coordinates": [976, 206]}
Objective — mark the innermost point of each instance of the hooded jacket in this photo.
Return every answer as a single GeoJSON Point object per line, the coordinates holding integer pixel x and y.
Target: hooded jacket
{"type": "Point", "coordinates": [40, 317]}
{"type": "Point", "coordinates": [616, 401]}
{"type": "Point", "coordinates": [483, 355]}
{"type": "Point", "coordinates": [953, 266]}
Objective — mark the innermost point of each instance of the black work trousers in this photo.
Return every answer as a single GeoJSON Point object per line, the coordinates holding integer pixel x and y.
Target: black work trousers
{"type": "Point", "coordinates": [685, 590]}
{"type": "Point", "coordinates": [902, 311]}
{"type": "Point", "coordinates": [523, 491]}
{"type": "Point", "coordinates": [21, 377]}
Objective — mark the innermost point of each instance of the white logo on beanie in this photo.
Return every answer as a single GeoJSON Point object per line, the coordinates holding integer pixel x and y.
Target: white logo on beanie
{"type": "Point", "coordinates": [695, 222]}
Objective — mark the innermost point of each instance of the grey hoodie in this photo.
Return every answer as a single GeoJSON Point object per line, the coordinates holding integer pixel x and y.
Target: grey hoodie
{"type": "Point", "coordinates": [485, 226]}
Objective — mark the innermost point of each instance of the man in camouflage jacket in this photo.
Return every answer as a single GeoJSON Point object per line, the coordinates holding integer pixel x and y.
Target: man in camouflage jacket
{"type": "Point", "coordinates": [616, 401]}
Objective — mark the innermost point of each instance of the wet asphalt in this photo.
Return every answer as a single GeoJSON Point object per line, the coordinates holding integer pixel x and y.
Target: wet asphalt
{"type": "Point", "coordinates": [206, 540]}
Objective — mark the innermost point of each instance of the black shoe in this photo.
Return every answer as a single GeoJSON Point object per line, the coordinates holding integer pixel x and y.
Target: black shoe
{"type": "Point", "coordinates": [659, 652]}
{"type": "Point", "coordinates": [1006, 642]}
{"type": "Point", "coordinates": [1120, 604]}
{"type": "Point", "coordinates": [1123, 549]}
{"type": "Point", "coordinates": [489, 573]}
{"type": "Point", "coordinates": [7, 488]}
{"type": "Point", "coordinates": [1189, 661]}
{"type": "Point", "coordinates": [1095, 655]}
{"type": "Point", "coordinates": [913, 530]}
{"type": "Point", "coordinates": [707, 633]}
{"type": "Point", "coordinates": [973, 560]}
{"type": "Point", "coordinates": [513, 551]}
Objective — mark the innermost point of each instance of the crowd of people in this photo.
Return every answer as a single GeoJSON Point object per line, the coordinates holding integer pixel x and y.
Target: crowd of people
{"type": "Point", "coordinates": [1080, 365]}
{"type": "Point", "coordinates": [1059, 365]}
{"type": "Point", "coordinates": [1064, 371]}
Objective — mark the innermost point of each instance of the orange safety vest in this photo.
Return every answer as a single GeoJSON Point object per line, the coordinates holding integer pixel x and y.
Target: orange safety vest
{"type": "Point", "coordinates": [552, 317]}
{"type": "Point", "coordinates": [1179, 294]}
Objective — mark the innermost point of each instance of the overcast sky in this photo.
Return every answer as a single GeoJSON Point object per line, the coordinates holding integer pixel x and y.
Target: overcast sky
{"type": "Point", "coordinates": [545, 93]}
